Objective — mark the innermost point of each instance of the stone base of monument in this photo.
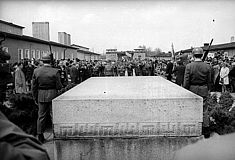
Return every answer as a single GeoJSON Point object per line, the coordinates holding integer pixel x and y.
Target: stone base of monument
{"type": "Point", "coordinates": [125, 118]}
{"type": "Point", "coordinates": [154, 148]}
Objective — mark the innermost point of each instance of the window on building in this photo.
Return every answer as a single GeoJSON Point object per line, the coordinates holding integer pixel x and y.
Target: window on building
{"type": "Point", "coordinates": [27, 54]}
{"type": "Point", "coordinates": [56, 55]}
{"type": "Point", "coordinates": [47, 52]}
{"type": "Point", "coordinates": [38, 56]}
{"type": "Point", "coordinates": [53, 53]}
{"type": "Point", "coordinates": [42, 53]}
{"type": "Point", "coordinates": [33, 54]}
{"type": "Point", "coordinates": [62, 55]}
{"type": "Point", "coordinates": [20, 55]}
{"type": "Point", "coordinates": [72, 57]}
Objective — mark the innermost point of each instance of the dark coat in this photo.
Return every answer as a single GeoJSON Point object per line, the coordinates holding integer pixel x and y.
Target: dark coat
{"type": "Point", "coordinates": [29, 73]}
{"type": "Point", "coordinates": [74, 74]}
{"type": "Point", "coordinates": [232, 74]}
{"type": "Point", "coordinates": [197, 78]}
{"type": "Point", "coordinates": [46, 83]}
{"type": "Point", "coordinates": [169, 70]}
{"type": "Point", "coordinates": [179, 72]}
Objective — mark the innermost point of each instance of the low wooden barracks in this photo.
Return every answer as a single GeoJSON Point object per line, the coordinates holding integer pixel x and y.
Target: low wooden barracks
{"type": "Point", "coordinates": [20, 46]}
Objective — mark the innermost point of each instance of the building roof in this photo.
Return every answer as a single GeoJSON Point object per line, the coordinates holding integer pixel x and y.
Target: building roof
{"type": "Point", "coordinates": [41, 22]}
{"type": "Point", "coordinates": [117, 52]}
{"type": "Point", "coordinates": [139, 49]}
{"type": "Point", "coordinates": [216, 47]}
{"type": "Point", "coordinates": [32, 39]}
{"type": "Point", "coordinates": [11, 24]}
{"type": "Point", "coordinates": [77, 46]}
{"type": "Point", "coordinates": [88, 52]}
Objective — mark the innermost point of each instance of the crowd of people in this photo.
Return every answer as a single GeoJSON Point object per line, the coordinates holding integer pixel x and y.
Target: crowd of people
{"type": "Point", "coordinates": [44, 79]}
{"type": "Point", "coordinates": [76, 71]}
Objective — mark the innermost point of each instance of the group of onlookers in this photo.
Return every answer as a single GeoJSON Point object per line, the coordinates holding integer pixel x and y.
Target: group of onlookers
{"type": "Point", "coordinates": [223, 75]}
{"type": "Point", "coordinates": [76, 71]}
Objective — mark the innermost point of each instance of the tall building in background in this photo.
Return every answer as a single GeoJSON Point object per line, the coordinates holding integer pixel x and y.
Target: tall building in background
{"type": "Point", "coordinates": [41, 30]}
{"type": "Point", "coordinates": [232, 39]}
{"type": "Point", "coordinates": [64, 38]}
{"type": "Point", "coordinates": [69, 39]}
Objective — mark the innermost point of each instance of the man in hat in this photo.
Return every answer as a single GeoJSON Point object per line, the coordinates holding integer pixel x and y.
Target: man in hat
{"type": "Point", "coordinates": [197, 76]}
{"type": "Point", "coordinates": [169, 70]}
{"type": "Point", "coordinates": [197, 79]}
{"type": "Point", "coordinates": [179, 72]}
{"type": "Point", "coordinates": [46, 83]}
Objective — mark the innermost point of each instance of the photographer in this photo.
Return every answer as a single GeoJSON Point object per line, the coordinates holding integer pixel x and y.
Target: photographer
{"type": "Point", "coordinates": [5, 73]}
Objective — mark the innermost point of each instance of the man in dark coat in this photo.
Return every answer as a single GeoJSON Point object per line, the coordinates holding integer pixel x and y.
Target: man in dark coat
{"type": "Point", "coordinates": [46, 83]}
{"type": "Point", "coordinates": [197, 79]}
{"type": "Point", "coordinates": [5, 74]}
{"type": "Point", "coordinates": [74, 73]}
{"type": "Point", "coordinates": [29, 75]}
{"type": "Point", "coordinates": [197, 76]}
{"type": "Point", "coordinates": [63, 74]}
{"type": "Point", "coordinates": [169, 69]}
{"type": "Point", "coordinates": [179, 72]}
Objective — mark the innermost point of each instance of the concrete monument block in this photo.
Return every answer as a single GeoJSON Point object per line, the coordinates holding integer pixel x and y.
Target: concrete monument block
{"type": "Point", "coordinates": [127, 107]}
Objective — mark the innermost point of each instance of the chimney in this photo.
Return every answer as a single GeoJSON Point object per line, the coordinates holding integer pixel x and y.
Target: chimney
{"type": "Point", "coordinates": [232, 39]}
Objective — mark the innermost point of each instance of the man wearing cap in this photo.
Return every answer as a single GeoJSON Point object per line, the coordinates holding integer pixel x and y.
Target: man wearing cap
{"type": "Point", "coordinates": [197, 79]}
{"type": "Point", "coordinates": [46, 83]}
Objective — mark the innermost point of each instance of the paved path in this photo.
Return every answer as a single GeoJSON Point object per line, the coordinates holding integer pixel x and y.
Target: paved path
{"type": "Point", "coordinates": [49, 144]}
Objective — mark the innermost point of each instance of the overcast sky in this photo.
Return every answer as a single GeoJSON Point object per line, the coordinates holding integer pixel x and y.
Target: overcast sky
{"type": "Point", "coordinates": [125, 25]}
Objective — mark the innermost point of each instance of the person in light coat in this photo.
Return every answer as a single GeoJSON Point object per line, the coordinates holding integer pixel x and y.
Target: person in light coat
{"type": "Point", "coordinates": [20, 81]}
{"type": "Point", "coordinates": [224, 79]}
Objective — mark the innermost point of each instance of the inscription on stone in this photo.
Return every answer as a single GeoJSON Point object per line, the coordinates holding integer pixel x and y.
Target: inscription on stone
{"type": "Point", "coordinates": [127, 129]}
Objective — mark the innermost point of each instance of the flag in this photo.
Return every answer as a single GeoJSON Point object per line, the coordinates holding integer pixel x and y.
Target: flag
{"type": "Point", "coordinates": [173, 52]}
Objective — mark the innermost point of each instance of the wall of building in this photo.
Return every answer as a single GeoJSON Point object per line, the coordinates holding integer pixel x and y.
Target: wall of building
{"type": "Point", "coordinates": [11, 29]}
{"type": "Point", "coordinates": [231, 52]}
{"type": "Point", "coordinates": [20, 49]}
{"type": "Point", "coordinates": [111, 56]}
{"type": "Point", "coordinates": [164, 58]}
{"type": "Point", "coordinates": [139, 54]}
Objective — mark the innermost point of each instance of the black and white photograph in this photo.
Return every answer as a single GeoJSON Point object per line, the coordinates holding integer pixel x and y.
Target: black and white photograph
{"type": "Point", "coordinates": [117, 80]}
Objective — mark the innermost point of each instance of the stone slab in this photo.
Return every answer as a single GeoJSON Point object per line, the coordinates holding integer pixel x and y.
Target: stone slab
{"type": "Point", "coordinates": [155, 148]}
{"type": "Point", "coordinates": [127, 106]}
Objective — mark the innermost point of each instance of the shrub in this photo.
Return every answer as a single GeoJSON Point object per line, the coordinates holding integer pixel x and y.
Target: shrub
{"type": "Point", "coordinates": [221, 115]}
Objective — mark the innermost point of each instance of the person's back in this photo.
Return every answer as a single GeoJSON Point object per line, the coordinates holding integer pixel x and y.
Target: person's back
{"type": "Point", "coordinates": [46, 83]}
{"type": "Point", "coordinates": [179, 72]}
{"type": "Point", "coordinates": [73, 74]}
{"type": "Point", "coordinates": [197, 77]}
{"type": "Point", "coordinates": [169, 69]}
{"type": "Point", "coordinates": [46, 77]}
{"type": "Point", "coordinates": [199, 73]}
